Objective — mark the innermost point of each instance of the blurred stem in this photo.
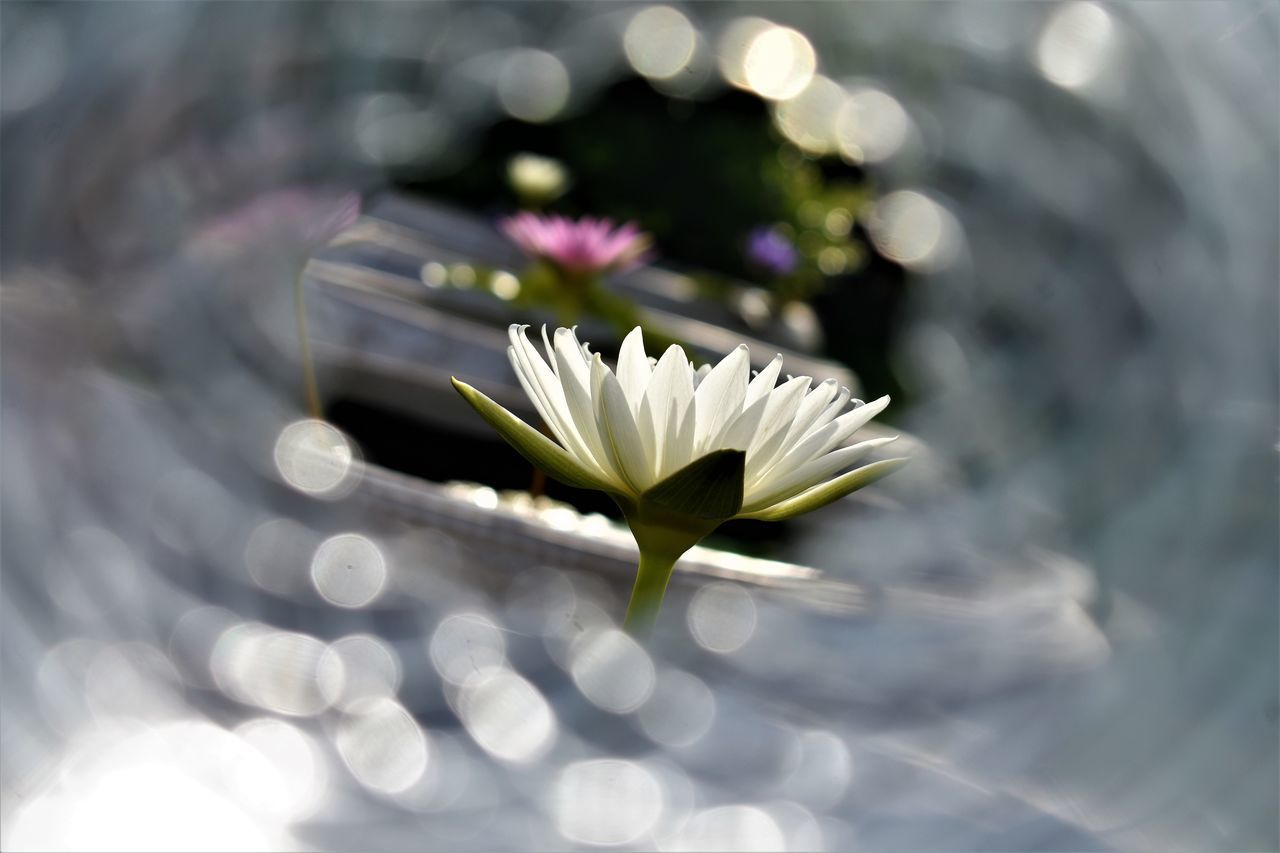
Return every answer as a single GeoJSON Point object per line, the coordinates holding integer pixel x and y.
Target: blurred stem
{"type": "Point", "coordinates": [538, 486]}
{"type": "Point", "coordinates": [309, 387]}
{"type": "Point", "coordinates": [646, 596]}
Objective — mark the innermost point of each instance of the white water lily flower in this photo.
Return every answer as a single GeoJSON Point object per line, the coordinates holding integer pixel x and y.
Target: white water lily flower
{"type": "Point", "coordinates": [682, 449]}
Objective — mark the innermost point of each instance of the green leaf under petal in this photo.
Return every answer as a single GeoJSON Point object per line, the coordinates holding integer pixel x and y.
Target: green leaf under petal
{"type": "Point", "coordinates": [832, 490]}
{"type": "Point", "coordinates": [531, 444]}
{"type": "Point", "coordinates": [710, 487]}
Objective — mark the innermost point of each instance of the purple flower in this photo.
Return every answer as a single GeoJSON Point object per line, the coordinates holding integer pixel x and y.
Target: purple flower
{"type": "Point", "coordinates": [772, 252]}
{"type": "Point", "coordinates": [584, 247]}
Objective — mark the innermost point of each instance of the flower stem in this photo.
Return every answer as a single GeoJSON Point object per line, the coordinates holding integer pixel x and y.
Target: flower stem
{"type": "Point", "coordinates": [646, 596]}
{"type": "Point", "coordinates": [309, 387]}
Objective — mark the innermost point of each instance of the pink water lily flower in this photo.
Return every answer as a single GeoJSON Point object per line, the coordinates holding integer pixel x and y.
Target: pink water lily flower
{"type": "Point", "coordinates": [584, 247]}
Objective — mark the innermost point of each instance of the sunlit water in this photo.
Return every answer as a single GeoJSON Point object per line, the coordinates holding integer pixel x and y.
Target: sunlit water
{"type": "Point", "coordinates": [223, 630]}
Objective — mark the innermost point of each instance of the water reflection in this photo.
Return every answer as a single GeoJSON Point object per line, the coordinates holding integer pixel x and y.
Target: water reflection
{"type": "Point", "coordinates": [506, 715]}
{"type": "Point", "coordinates": [730, 828]}
{"type": "Point", "coordinates": [778, 63]}
{"type": "Point", "coordinates": [277, 555]}
{"type": "Point", "coordinates": [533, 85]}
{"type": "Point", "coordinates": [722, 617]}
{"type": "Point", "coordinates": [915, 231]}
{"type": "Point", "coordinates": [314, 457]}
{"type": "Point", "coordinates": [1075, 44]}
{"type": "Point", "coordinates": [382, 745]}
{"type": "Point", "coordinates": [156, 789]}
{"type": "Point", "coordinates": [373, 669]}
{"type": "Point", "coordinates": [822, 772]}
{"type": "Point", "coordinates": [131, 680]}
{"type": "Point", "coordinates": [606, 802]}
{"type": "Point", "coordinates": [35, 63]}
{"type": "Point", "coordinates": [301, 776]}
{"type": "Point", "coordinates": [283, 671]}
{"type": "Point", "coordinates": [679, 711]}
{"type": "Point", "coordinates": [464, 644]}
{"type": "Point", "coordinates": [349, 570]}
{"type": "Point", "coordinates": [870, 125]}
{"type": "Point", "coordinates": [1087, 349]}
{"type": "Point", "coordinates": [537, 599]}
{"type": "Point", "coordinates": [612, 670]}
{"type": "Point", "coordinates": [659, 42]}
{"type": "Point", "coordinates": [394, 130]}
{"type": "Point", "coordinates": [809, 118]}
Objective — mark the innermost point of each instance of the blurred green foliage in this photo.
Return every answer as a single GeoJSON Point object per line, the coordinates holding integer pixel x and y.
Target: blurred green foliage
{"type": "Point", "coordinates": [689, 172]}
{"type": "Point", "coordinates": [699, 176]}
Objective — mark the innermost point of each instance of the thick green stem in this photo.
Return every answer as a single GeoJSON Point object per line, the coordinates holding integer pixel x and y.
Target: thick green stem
{"type": "Point", "coordinates": [662, 537]}
{"type": "Point", "coordinates": [646, 596]}
{"type": "Point", "coordinates": [309, 387]}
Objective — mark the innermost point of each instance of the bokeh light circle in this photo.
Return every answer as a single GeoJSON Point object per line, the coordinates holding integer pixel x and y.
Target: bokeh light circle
{"type": "Point", "coordinates": [533, 85]}
{"type": "Point", "coordinates": [315, 458]}
{"type": "Point", "coordinates": [659, 42]}
{"type": "Point", "coordinates": [506, 716]}
{"type": "Point", "coordinates": [778, 63]}
{"type": "Point", "coordinates": [739, 828]}
{"type": "Point", "coordinates": [606, 802]}
{"type": "Point", "coordinates": [909, 227]}
{"type": "Point", "coordinates": [382, 745]}
{"type": "Point", "coordinates": [464, 644]}
{"type": "Point", "coordinates": [349, 570]}
{"type": "Point", "coordinates": [612, 670]}
{"type": "Point", "coordinates": [680, 710]}
{"type": "Point", "coordinates": [722, 617]}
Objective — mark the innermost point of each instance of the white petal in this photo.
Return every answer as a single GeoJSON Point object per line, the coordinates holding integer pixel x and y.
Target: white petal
{"type": "Point", "coordinates": [528, 381]}
{"type": "Point", "coordinates": [808, 475]}
{"type": "Point", "coordinates": [792, 457]}
{"type": "Point", "coordinates": [569, 357]}
{"type": "Point", "coordinates": [799, 446]}
{"type": "Point", "coordinates": [812, 408]}
{"type": "Point", "coordinates": [742, 430]}
{"type": "Point", "coordinates": [677, 451]}
{"type": "Point", "coordinates": [539, 401]}
{"type": "Point", "coordinates": [650, 435]}
{"type": "Point", "coordinates": [700, 374]}
{"type": "Point", "coordinates": [670, 391]}
{"type": "Point", "coordinates": [633, 369]}
{"type": "Point", "coordinates": [852, 421]}
{"type": "Point", "coordinates": [546, 343]}
{"type": "Point", "coordinates": [779, 413]}
{"type": "Point", "coordinates": [718, 399]}
{"type": "Point", "coordinates": [821, 436]}
{"type": "Point", "coordinates": [542, 386]}
{"type": "Point", "coordinates": [829, 413]}
{"type": "Point", "coordinates": [575, 379]}
{"type": "Point", "coordinates": [618, 428]}
{"type": "Point", "coordinates": [764, 381]}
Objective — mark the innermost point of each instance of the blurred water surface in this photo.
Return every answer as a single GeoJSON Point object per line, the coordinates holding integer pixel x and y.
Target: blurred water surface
{"type": "Point", "coordinates": [223, 630]}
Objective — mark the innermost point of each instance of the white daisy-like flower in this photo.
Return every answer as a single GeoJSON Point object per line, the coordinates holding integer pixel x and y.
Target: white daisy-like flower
{"type": "Point", "coordinates": [680, 449]}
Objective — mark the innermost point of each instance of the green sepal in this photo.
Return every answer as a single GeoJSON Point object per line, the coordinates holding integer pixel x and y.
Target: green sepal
{"type": "Point", "coordinates": [832, 490]}
{"type": "Point", "coordinates": [541, 451]}
{"type": "Point", "coordinates": [710, 487]}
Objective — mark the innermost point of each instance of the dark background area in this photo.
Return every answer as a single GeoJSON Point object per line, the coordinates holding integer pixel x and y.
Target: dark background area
{"type": "Point", "coordinates": [699, 176]}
